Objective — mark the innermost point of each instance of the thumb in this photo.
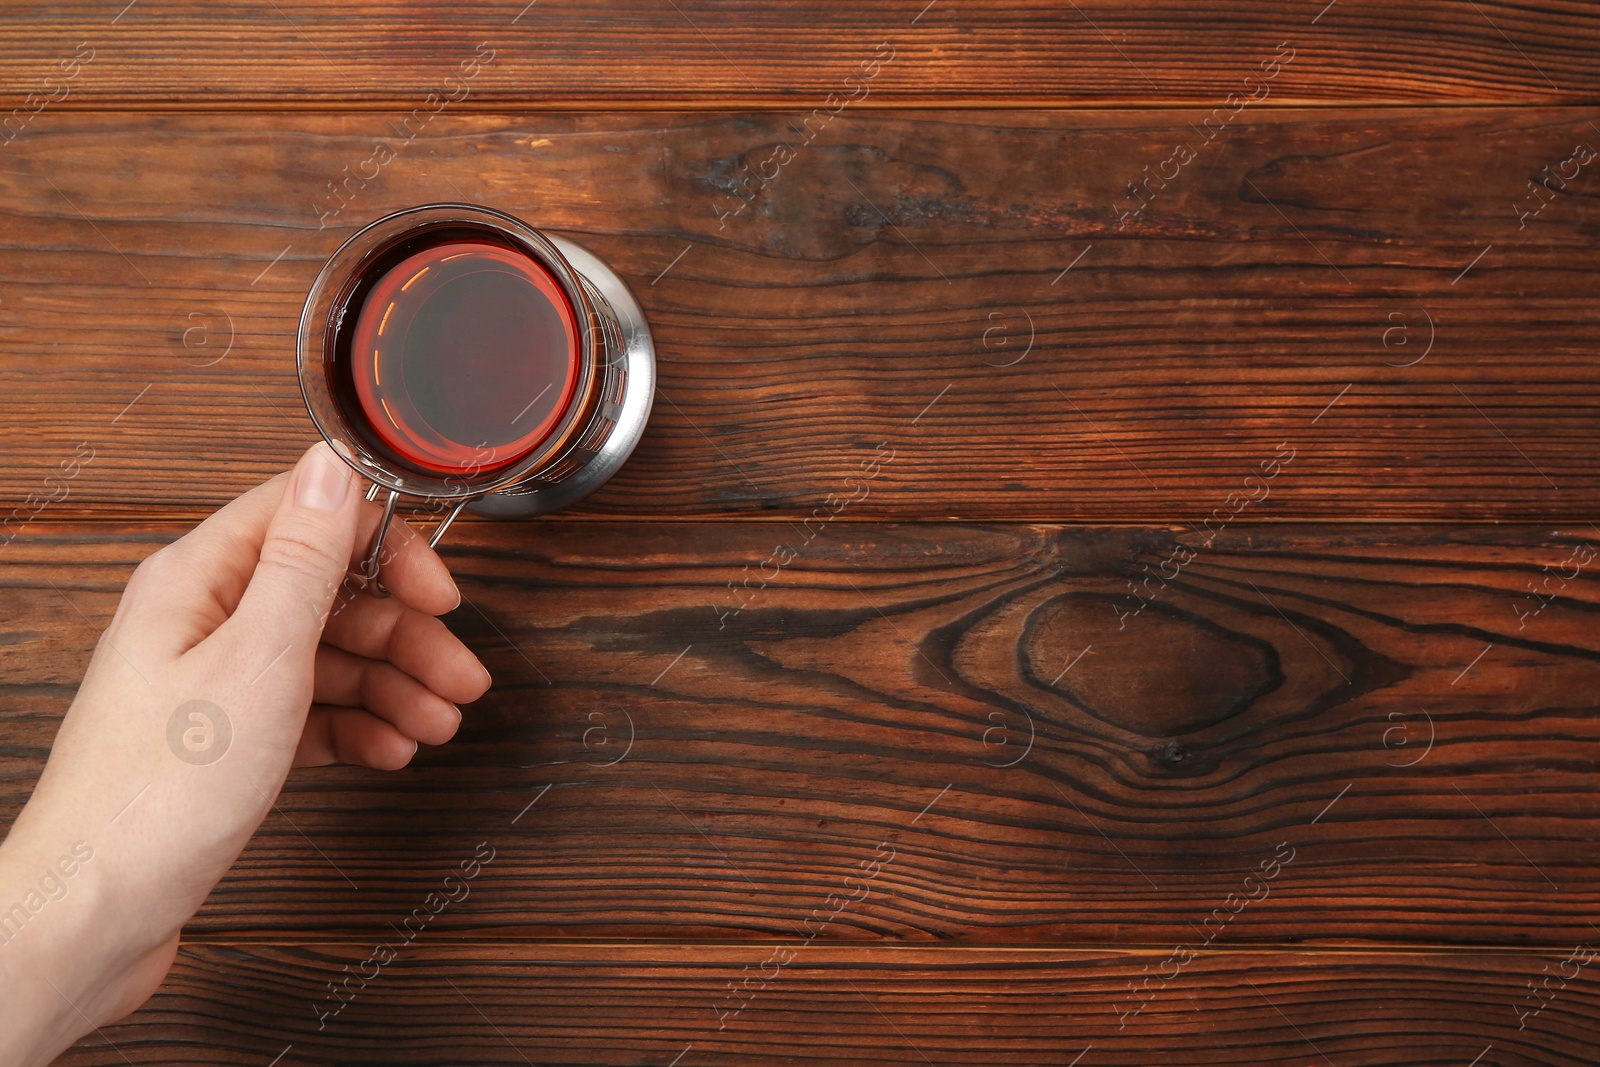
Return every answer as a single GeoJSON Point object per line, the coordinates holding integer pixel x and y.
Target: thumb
{"type": "Point", "coordinates": [304, 557]}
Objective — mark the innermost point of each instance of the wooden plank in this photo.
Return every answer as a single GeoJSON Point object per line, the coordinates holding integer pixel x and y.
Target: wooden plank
{"type": "Point", "coordinates": [606, 1004]}
{"type": "Point", "coordinates": [636, 53]}
{"type": "Point", "coordinates": [1375, 715]}
{"type": "Point", "coordinates": [1350, 285]}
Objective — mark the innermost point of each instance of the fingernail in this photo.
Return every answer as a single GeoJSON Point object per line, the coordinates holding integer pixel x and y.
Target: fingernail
{"type": "Point", "coordinates": [457, 588]}
{"type": "Point", "coordinates": [488, 680]}
{"type": "Point", "coordinates": [322, 481]}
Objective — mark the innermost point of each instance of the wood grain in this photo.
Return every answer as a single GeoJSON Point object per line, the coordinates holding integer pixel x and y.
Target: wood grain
{"type": "Point", "coordinates": [658, 1005]}
{"type": "Point", "coordinates": [1378, 707]}
{"type": "Point", "coordinates": [1352, 283]}
{"type": "Point", "coordinates": [641, 54]}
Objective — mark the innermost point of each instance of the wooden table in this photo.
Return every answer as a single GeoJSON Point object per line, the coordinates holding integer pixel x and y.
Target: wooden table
{"type": "Point", "coordinates": [1108, 578]}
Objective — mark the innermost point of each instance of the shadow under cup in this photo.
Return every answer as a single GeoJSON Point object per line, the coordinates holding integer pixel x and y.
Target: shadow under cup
{"type": "Point", "coordinates": [454, 353]}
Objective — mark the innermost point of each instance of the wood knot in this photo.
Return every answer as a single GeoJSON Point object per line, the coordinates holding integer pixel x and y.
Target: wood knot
{"type": "Point", "coordinates": [1161, 674]}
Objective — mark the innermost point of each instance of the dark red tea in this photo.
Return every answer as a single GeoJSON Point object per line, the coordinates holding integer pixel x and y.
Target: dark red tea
{"type": "Point", "coordinates": [454, 352]}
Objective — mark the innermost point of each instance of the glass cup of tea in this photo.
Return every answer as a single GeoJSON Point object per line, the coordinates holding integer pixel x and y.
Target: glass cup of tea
{"type": "Point", "coordinates": [455, 354]}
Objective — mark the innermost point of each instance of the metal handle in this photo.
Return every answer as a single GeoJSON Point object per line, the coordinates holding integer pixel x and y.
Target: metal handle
{"type": "Point", "coordinates": [368, 571]}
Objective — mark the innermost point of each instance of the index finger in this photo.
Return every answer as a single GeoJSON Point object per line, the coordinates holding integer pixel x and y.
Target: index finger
{"type": "Point", "coordinates": [408, 567]}
{"type": "Point", "coordinates": [183, 592]}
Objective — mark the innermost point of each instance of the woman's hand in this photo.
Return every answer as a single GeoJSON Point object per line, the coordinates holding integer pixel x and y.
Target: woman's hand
{"type": "Point", "coordinates": [237, 651]}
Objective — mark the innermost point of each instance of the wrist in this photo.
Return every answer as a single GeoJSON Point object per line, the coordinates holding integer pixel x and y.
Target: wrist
{"type": "Point", "coordinates": [55, 961]}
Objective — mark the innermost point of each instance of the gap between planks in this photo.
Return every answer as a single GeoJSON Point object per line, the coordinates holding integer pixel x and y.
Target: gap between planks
{"type": "Point", "coordinates": [339, 105]}
{"type": "Point", "coordinates": [580, 949]}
